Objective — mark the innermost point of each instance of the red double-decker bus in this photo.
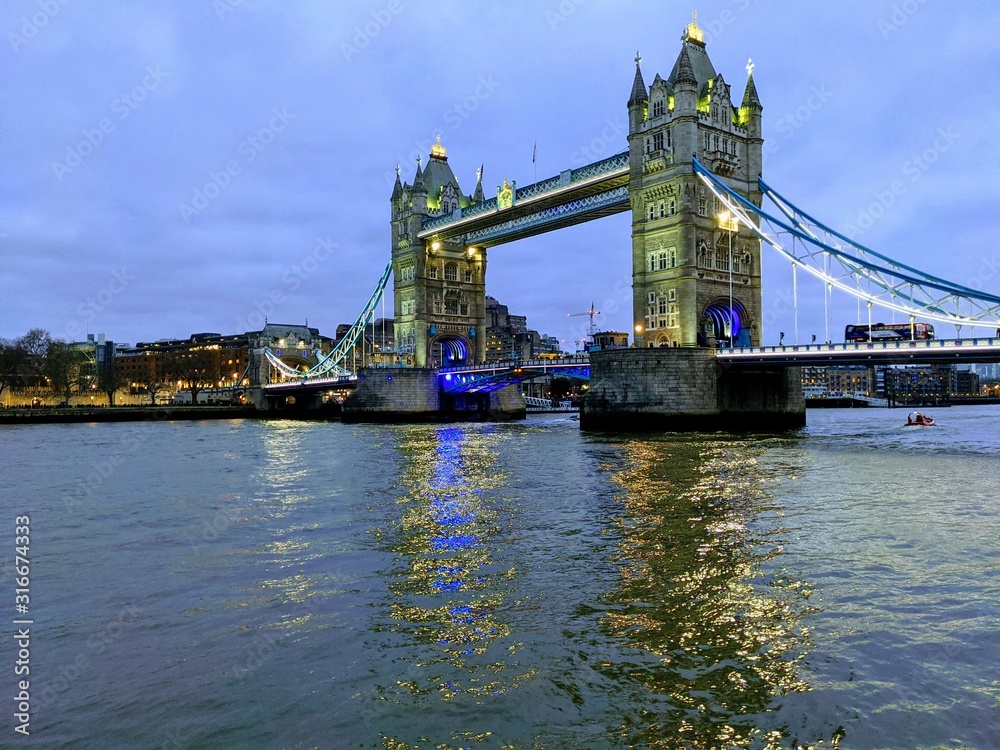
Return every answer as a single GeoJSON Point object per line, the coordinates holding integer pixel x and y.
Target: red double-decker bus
{"type": "Point", "coordinates": [889, 332]}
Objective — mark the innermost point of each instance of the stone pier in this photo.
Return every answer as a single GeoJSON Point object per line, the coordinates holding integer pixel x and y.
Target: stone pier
{"type": "Point", "coordinates": [686, 389]}
{"type": "Point", "coordinates": [413, 394]}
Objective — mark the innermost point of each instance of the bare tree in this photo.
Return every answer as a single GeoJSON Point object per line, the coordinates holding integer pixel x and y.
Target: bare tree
{"type": "Point", "coordinates": [196, 368]}
{"type": "Point", "coordinates": [34, 346]}
{"type": "Point", "coordinates": [12, 363]}
{"type": "Point", "coordinates": [155, 379]}
{"type": "Point", "coordinates": [112, 380]}
{"type": "Point", "coordinates": [66, 368]}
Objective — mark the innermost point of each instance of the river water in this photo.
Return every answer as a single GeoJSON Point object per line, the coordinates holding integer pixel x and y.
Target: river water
{"type": "Point", "coordinates": [296, 585]}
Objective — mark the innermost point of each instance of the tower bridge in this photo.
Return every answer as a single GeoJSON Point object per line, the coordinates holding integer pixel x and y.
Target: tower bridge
{"type": "Point", "coordinates": [692, 178]}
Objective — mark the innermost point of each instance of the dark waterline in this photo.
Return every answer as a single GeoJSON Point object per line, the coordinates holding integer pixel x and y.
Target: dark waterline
{"type": "Point", "coordinates": [297, 585]}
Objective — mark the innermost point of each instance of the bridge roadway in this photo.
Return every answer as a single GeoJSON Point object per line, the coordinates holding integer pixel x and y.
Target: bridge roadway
{"type": "Point", "coordinates": [575, 195]}
{"type": "Point", "coordinates": [925, 352]}
{"type": "Point", "coordinates": [489, 377]}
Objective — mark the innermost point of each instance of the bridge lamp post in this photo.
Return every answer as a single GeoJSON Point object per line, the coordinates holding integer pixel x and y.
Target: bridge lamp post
{"type": "Point", "coordinates": [730, 223]}
{"type": "Point", "coordinates": [638, 336]}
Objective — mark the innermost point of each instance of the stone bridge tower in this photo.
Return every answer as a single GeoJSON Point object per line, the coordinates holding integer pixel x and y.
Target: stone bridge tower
{"type": "Point", "coordinates": [682, 240]}
{"type": "Point", "coordinates": [439, 287]}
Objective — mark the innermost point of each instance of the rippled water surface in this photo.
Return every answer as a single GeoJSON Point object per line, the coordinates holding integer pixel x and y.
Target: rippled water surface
{"type": "Point", "coordinates": [299, 585]}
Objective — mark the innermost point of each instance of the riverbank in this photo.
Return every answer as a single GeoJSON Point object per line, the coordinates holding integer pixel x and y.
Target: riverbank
{"type": "Point", "coordinates": [71, 415]}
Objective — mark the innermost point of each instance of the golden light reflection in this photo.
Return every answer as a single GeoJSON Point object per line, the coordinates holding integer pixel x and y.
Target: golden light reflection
{"type": "Point", "coordinates": [696, 591]}
{"type": "Point", "coordinates": [450, 585]}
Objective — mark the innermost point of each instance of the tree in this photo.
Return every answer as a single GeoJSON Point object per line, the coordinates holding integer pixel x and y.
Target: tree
{"type": "Point", "coordinates": [13, 360]}
{"type": "Point", "coordinates": [154, 380]}
{"type": "Point", "coordinates": [197, 368]}
{"type": "Point", "coordinates": [34, 346]}
{"type": "Point", "coordinates": [111, 380]}
{"type": "Point", "coordinates": [66, 368]}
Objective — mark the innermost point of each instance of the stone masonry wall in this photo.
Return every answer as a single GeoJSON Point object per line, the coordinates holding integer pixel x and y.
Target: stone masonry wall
{"type": "Point", "coordinates": [684, 389]}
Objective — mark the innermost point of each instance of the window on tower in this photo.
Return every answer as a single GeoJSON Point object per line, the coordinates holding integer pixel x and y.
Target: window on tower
{"type": "Point", "coordinates": [451, 272]}
{"type": "Point", "coordinates": [657, 141]}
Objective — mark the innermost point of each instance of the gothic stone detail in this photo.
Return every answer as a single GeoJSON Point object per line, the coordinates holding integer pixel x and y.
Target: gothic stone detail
{"type": "Point", "coordinates": [439, 287]}
{"type": "Point", "coordinates": [680, 245]}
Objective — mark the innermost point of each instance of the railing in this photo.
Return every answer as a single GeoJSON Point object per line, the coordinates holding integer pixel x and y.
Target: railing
{"type": "Point", "coordinates": [860, 346]}
{"type": "Point", "coordinates": [542, 187]}
{"type": "Point", "coordinates": [524, 364]}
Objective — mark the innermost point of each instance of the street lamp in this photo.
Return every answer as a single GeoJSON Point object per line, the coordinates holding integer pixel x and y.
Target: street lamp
{"type": "Point", "coordinates": [730, 223]}
{"type": "Point", "coordinates": [638, 336]}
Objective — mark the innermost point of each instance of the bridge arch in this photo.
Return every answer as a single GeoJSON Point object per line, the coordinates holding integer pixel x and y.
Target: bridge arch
{"type": "Point", "coordinates": [449, 350]}
{"type": "Point", "coordinates": [729, 324]}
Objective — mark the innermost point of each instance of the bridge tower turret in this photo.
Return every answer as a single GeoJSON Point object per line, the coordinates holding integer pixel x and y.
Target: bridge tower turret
{"type": "Point", "coordinates": [439, 286]}
{"type": "Point", "coordinates": [682, 240]}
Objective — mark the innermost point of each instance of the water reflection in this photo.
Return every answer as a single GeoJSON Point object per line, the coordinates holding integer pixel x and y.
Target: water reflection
{"type": "Point", "coordinates": [450, 583]}
{"type": "Point", "coordinates": [699, 591]}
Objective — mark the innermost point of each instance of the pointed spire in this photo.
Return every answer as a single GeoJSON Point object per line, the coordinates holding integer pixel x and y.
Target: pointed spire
{"type": "Point", "coordinates": [750, 98]}
{"type": "Point", "coordinates": [639, 93]}
{"type": "Point", "coordinates": [477, 194]}
{"type": "Point", "coordinates": [685, 71]}
{"type": "Point", "coordinates": [397, 189]}
{"type": "Point", "coordinates": [418, 178]}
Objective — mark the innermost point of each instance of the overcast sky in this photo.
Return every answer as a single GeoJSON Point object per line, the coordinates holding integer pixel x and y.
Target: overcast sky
{"type": "Point", "coordinates": [181, 167]}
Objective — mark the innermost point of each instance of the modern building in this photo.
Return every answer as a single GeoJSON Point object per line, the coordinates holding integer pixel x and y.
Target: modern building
{"type": "Point", "coordinates": [509, 338]}
{"type": "Point", "coordinates": [920, 384]}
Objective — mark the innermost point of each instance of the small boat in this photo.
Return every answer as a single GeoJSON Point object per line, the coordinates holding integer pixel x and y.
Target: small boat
{"type": "Point", "coordinates": [916, 419]}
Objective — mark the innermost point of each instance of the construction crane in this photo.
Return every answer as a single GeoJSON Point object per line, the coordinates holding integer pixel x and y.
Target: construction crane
{"type": "Point", "coordinates": [591, 313]}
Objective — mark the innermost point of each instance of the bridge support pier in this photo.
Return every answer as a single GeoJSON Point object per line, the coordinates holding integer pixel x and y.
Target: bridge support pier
{"type": "Point", "coordinates": [401, 395]}
{"type": "Point", "coordinates": [686, 390]}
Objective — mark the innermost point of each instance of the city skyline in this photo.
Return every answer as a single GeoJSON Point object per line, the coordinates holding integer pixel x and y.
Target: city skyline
{"type": "Point", "coordinates": [172, 171]}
